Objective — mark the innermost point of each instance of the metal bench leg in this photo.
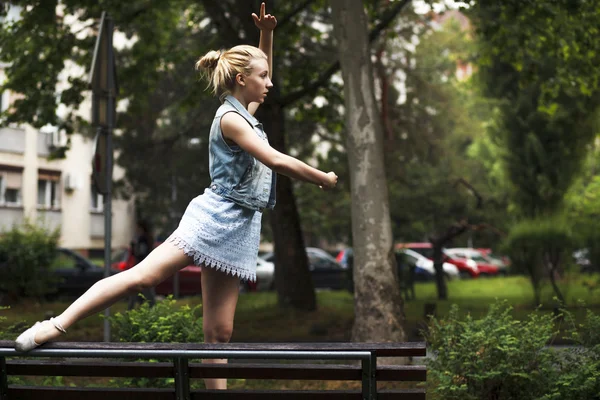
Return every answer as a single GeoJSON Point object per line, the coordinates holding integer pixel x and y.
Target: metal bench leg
{"type": "Point", "coordinates": [369, 382]}
{"type": "Point", "coordinates": [3, 379]}
{"type": "Point", "coordinates": [182, 379]}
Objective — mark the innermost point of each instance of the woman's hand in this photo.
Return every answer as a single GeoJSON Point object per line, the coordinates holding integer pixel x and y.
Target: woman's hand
{"type": "Point", "coordinates": [264, 22]}
{"type": "Point", "coordinates": [332, 179]}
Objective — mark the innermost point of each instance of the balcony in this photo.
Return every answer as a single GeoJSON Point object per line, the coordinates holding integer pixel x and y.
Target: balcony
{"type": "Point", "coordinates": [96, 225]}
{"type": "Point", "coordinates": [50, 219]}
{"type": "Point", "coordinates": [10, 216]}
{"type": "Point", "coordinates": [12, 140]}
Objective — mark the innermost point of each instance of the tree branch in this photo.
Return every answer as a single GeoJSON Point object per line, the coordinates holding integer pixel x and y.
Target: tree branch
{"type": "Point", "coordinates": [328, 73]}
{"type": "Point", "coordinates": [223, 23]}
{"type": "Point", "coordinates": [471, 189]}
{"type": "Point", "coordinates": [286, 19]}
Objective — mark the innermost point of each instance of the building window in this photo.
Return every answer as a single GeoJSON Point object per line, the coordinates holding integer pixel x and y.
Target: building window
{"type": "Point", "coordinates": [96, 200]}
{"type": "Point", "coordinates": [10, 188]}
{"type": "Point", "coordinates": [48, 193]}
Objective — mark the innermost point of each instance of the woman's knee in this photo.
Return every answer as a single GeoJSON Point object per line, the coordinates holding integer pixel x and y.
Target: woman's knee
{"type": "Point", "coordinates": [138, 281]}
{"type": "Point", "coordinates": [220, 333]}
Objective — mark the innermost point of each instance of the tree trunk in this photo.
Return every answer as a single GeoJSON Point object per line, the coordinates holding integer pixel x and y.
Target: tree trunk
{"type": "Point", "coordinates": [378, 306]}
{"type": "Point", "coordinates": [292, 278]}
{"type": "Point", "coordinates": [438, 265]}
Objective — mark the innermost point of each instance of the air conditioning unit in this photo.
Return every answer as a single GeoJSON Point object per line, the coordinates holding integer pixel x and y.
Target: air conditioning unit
{"type": "Point", "coordinates": [70, 182]}
{"type": "Point", "coordinates": [56, 138]}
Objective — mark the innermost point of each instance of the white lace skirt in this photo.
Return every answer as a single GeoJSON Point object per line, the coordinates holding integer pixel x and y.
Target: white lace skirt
{"type": "Point", "coordinates": [218, 233]}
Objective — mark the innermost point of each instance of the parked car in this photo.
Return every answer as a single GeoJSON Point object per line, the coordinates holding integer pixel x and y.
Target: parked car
{"type": "Point", "coordinates": [190, 281]}
{"type": "Point", "coordinates": [190, 277]}
{"type": "Point", "coordinates": [75, 273]}
{"type": "Point", "coordinates": [424, 266]}
{"type": "Point", "coordinates": [467, 268]}
{"type": "Point", "coordinates": [423, 248]}
{"type": "Point", "coordinates": [484, 265]}
{"type": "Point", "coordinates": [502, 262]}
{"type": "Point", "coordinates": [344, 256]}
{"type": "Point", "coordinates": [325, 271]}
{"type": "Point", "coordinates": [265, 274]}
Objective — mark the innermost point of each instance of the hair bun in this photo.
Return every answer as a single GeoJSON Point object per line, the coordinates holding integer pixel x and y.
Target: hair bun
{"type": "Point", "coordinates": [209, 61]}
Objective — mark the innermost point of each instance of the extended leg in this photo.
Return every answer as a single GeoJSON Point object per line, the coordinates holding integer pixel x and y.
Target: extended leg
{"type": "Point", "coordinates": [163, 262]}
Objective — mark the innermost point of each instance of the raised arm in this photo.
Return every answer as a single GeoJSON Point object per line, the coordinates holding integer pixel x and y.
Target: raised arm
{"type": "Point", "coordinates": [235, 128]}
{"type": "Point", "coordinates": [266, 24]}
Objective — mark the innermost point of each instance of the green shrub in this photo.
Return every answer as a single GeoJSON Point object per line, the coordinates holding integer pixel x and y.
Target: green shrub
{"type": "Point", "coordinates": [163, 323]}
{"type": "Point", "coordinates": [495, 357]}
{"type": "Point", "coordinates": [26, 253]}
{"type": "Point", "coordinates": [579, 367]}
{"type": "Point", "coordinates": [541, 248]}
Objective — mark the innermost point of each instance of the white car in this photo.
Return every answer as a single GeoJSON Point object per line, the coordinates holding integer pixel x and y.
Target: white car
{"type": "Point", "coordinates": [265, 274]}
{"type": "Point", "coordinates": [426, 264]}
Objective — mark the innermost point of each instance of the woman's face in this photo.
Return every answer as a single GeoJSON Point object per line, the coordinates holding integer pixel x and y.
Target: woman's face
{"type": "Point", "coordinates": [258, 83]}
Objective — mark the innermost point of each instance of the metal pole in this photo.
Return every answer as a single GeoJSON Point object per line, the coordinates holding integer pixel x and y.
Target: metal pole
{"type": "Point", "coordinates": [110, 108]}
{"type": "Point", "coordinates": [182, 379]}
{"type": "Point", "coordinates": [3, 379]}
{"type": "Point", "coordinates": [369, 383]}
{"type": "Point", "coordinates": [173, 200]}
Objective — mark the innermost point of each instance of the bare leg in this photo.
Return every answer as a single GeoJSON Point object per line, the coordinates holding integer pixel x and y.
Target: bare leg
{"type": "Point", "coordinates": [161, 263]}
{"type": "Point", "coordinates": [219, 299]}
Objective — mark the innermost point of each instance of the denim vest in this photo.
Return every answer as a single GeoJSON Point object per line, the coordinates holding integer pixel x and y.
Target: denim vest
{"type": "Point", "coordinates": [236, 175]}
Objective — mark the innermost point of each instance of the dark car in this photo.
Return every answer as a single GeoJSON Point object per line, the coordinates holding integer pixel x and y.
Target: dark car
{"type": "Point", "coordinates": [75, 274]}
{"type": "Point", "coordinates": [325, 271]}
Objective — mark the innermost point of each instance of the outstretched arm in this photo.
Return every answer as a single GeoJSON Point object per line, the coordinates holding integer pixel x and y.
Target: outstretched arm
{"type": "Point", "coordinates": [235, 128]}
{"type": "Point", "coordinates": [266, 24]}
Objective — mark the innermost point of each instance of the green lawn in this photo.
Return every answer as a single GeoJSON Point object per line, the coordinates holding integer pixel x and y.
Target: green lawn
{"type": "Point", "coordinates": [259, 319]}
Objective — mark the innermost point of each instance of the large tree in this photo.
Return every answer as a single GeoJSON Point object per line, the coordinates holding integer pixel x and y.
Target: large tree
{"type": "Point", "coordinates": [378, 306]}
{"type": "Point", "coordinates": [540, 61]}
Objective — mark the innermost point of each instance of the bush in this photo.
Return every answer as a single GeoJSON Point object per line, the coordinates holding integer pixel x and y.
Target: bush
{"type": "Point", "coordinates": [579, 367]}
{"type": "Point", "coordinates": [542, 249]}
{"type": "Point", "coordinates": [26, 253]}
{"type": "Point", "coordinates": [495, 357]}
{"type": "Point", "coordinates": [163, 323]}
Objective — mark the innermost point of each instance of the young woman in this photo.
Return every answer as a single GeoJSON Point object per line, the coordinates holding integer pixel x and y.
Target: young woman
{"type": "Point", "coordinates": [220, 229]}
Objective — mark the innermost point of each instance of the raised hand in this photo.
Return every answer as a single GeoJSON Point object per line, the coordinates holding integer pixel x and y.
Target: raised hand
{"type": "Point", "coordinates": [264, 22]}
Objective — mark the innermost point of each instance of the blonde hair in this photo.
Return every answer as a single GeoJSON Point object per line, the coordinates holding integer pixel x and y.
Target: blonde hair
{"type": "Point", "coordinates": [221, 67]}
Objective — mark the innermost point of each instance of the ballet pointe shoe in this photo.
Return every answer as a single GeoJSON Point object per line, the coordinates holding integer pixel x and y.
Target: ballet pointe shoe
{"type": "Point", "coordinates": [26, 340]}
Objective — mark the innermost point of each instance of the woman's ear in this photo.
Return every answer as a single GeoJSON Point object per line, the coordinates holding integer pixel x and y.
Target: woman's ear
{"type": "Point", "coordinates": [239, 79]}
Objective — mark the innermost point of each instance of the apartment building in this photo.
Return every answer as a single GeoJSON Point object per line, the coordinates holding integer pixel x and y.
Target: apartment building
{"type": "Point", "coordinates": [56, 193]}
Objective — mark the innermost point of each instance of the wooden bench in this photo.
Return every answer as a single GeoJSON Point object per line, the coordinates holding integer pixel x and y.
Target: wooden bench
{"type": "Point", "coordinates": [64, 363]}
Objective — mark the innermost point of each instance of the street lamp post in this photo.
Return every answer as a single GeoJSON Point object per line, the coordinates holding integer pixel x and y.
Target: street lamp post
{"type": "Point", "coordinates": [103, 82]}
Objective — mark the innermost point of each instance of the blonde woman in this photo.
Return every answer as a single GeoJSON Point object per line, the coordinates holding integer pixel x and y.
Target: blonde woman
{"type": "Point", "coordinates": [220, 229]}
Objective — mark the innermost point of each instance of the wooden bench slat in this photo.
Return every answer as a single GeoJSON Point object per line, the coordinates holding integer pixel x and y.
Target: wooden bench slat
{"type": "Point", "coordinates": [404, 394]}
{"type": "Point", "coordinates": [405, 349]}
{"type": "Point", "coordinates": [96, 369]}
{"type": "Point", "coordinates": [67, 393]}
{"type": "Point", "coordinates": [334, 372]}
{"type": "Point", "coordinates": [231, 371]}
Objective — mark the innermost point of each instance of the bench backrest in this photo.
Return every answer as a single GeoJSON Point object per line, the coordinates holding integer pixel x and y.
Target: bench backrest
{"type": "Point", "coordinates": [182, 371]}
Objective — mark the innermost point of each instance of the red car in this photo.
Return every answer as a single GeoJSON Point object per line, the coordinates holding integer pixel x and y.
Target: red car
{"type": "Point", "coordinates": [423, 248]}
{"type": "Point", "coordinates": [189, 277]}
{"type": "Point", "coordinates": [484, 266]}
{"type": "Point", "coordinates": [467, 268]}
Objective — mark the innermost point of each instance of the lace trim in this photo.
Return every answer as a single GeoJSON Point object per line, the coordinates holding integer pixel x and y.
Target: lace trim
{"type": "Point", "coordinates": [204, 260]}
